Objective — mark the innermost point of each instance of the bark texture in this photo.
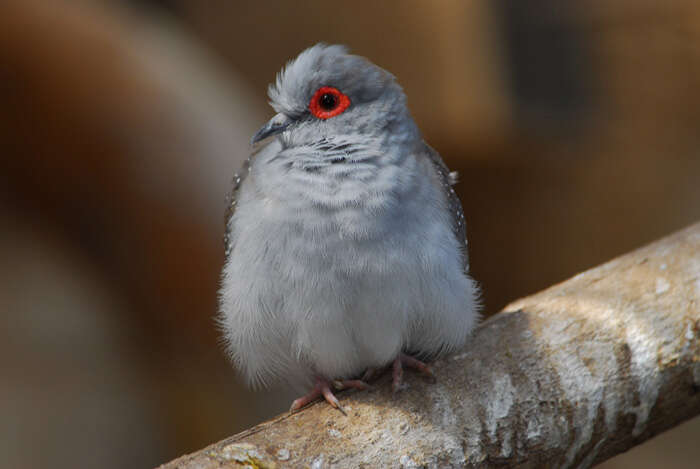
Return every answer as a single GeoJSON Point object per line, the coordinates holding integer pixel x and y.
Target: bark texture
{"type": "Point", "coordinates": [567, 377]}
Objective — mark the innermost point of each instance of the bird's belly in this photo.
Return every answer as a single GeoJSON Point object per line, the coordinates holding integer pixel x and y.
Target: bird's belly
{"type": "Point", "coordinates": [349, 286]}
{"type": "Point", "coordinates": [337, 291]}
{"type": "Point", "coordinates": [346, 299]}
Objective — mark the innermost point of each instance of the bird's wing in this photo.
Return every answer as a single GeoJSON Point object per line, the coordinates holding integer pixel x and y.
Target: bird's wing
{"type": "Point", "coordinates": [231, 198]}
{"type": "Point", "coordinates": [231, 204]}
{"type": "Point", "coordinates": [447, 180]}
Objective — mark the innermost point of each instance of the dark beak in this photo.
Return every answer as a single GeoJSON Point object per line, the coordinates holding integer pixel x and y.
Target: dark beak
{"type": "Point", "coordinates": [274, 126]}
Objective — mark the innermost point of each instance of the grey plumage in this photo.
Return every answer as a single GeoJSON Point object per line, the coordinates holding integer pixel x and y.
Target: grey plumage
{"type": "Point", "coordinates": [345, 242]}
{"type": "Point", "coordinates": [339, 154]}
{"type": "Point", "coordinates": [447, 180]}
{"type": "Point", "coordinates": [231, 202]}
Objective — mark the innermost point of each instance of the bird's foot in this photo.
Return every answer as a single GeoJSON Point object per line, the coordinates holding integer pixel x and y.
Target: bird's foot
{"type": "Point", "coordinates": [402, 361]}
{"type": "Point", "coordinates": [323, 387]}
{"type": "Point", "coordinates": [372, 373]}
{"type": "Point", "coordinates": [358, 384]}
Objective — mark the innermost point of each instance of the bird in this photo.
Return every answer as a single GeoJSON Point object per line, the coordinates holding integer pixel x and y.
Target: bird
{"type": "Point", "coordinates": [345, 242]}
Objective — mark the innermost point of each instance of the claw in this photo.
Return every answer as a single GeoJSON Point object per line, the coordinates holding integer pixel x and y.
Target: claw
{"type": "Point", "coordinates": [410, 362]}
{"type": "Point", "coordinates": [323, 388]}
{"type": "Point", "coordinates": [418, 365]}
{"type": "Point", "coordinates": [303, 401]}
{"type": "Point", "coordinates": [331, 399]}
{"type": "Point", "coordinates": [358, 384]}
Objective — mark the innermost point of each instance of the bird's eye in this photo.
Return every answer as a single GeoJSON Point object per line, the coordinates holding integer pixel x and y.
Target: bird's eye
{"type": "Point", "coordinates": [328, 102]}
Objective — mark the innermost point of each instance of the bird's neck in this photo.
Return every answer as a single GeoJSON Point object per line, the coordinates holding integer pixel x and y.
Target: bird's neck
{"type": "Point", "coordinates": [344, 171]}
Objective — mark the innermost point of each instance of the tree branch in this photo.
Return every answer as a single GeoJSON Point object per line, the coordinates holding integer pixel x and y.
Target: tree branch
{"type": "Point", "coordinates": [565, 378]}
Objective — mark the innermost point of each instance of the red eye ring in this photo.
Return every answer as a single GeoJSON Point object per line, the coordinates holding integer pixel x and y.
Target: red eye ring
{"type": "Point", "coordinates": [328, 102]}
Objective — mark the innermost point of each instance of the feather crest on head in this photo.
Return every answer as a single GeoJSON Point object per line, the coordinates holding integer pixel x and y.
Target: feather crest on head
{"type": "Point", "coordinates": [326, 65]}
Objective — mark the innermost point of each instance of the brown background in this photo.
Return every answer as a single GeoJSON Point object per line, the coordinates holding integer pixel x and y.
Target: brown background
{"type": "Point", "coordinates": [575, 129]}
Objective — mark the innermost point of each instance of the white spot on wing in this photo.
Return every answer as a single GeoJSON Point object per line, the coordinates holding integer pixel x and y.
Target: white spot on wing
{"type": "Point", "coordinates": [453, 178]}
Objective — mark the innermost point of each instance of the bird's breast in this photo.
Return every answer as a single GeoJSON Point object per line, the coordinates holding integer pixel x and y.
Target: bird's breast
{"type": "Point", "coordinates": [374, 216]}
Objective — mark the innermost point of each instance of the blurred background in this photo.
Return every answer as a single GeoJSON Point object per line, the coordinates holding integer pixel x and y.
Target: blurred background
{"type": "Point", "coordinates": [575, 127]}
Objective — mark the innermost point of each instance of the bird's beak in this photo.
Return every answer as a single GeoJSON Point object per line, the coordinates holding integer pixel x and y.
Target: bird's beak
{"type": "Point", "coordinates": [274, 126]}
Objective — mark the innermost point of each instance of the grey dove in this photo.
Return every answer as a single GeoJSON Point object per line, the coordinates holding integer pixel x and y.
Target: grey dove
{"type": "Point", "coordinates": [345, 242]}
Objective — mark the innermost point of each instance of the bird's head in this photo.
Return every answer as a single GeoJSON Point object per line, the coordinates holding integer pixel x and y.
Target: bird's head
{"type": "Point", "coordinates": [327, 93]}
